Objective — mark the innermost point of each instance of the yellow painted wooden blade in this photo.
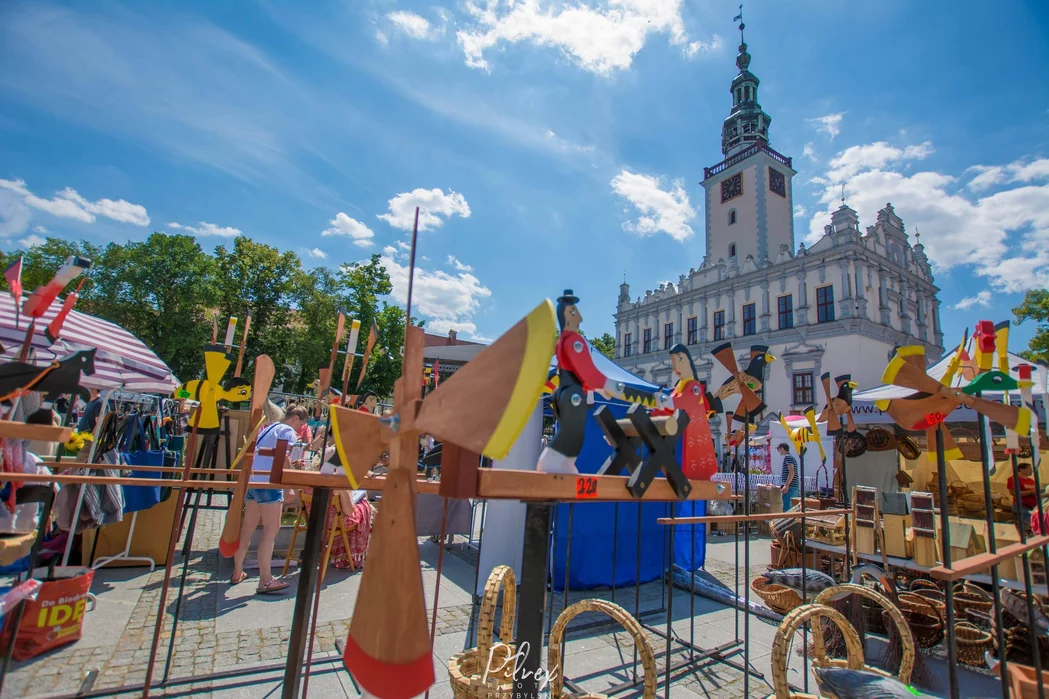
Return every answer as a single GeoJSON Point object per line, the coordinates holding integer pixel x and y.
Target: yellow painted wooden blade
{"type": "Point", "coordinates": [956, 361]}
{"type": "Point", "coordinates": [1001, 345]}
{"type": "Point", "coordinates": [484, 405]}
{"type": "Point", "coordinates": [810, 416]}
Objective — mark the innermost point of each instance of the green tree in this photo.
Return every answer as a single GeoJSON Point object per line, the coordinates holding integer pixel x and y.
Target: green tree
{"type": "Point", "coordinates": [1035, 306]}
{"type": "Point", "coordinates": [606, 345]}
{"type": "Point", "coordinates": [319, 295]}
{"type": "Point", "coordinates": [160, 290]}
{"type": "Point", "coordinates": [261, 280]}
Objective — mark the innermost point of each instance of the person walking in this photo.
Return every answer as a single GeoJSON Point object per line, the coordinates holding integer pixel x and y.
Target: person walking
{"type": "Point", "coordinates": [264, 505]}
{"type": "Point", "coordinates": [789, 477]}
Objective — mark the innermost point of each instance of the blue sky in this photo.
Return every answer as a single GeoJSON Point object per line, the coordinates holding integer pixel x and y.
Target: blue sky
{"type": "Point", "coordinates": [551, 144]}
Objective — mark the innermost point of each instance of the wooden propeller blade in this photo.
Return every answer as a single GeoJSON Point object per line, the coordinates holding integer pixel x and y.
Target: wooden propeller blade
{"type": "Point", "coordinates": [723, 353]}
{"type": "Point", "coordinates": [907, 369]}
{"type": "Point", "coordinates": [388, 647]}
{"type": "Point", "coordinates": [1008, 416]}
{"type": "Point", "coordinates": [814, 432]}
{"type": "Point", "coordinates": [913, 413]}
{"type": "Point", "coordinates": [260, 388]}
{"type": "Point", "coordinates": [1001, 345]}
{"type": "Point", "coordinates": [358, 441]}
{"type": "Point", "coordinates": [829, 414]}
{"type": "Point", "coordinates": [484, 406]}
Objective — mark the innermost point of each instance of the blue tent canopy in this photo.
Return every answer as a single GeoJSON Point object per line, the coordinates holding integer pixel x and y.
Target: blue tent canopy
{"type": "Point", "coordinates": [593, 524]}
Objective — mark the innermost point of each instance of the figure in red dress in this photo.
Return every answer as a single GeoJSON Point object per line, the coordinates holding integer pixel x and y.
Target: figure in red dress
{"type": "Point", "coordinates": [698, 459]}
{"type": "Point", "coordinates": [367, 402]}
{"type": "Point", "coordinates": [577, 374]}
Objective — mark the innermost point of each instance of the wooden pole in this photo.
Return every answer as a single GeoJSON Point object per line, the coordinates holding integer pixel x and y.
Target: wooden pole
{"type": "Point", "coordinates": [243, 344]}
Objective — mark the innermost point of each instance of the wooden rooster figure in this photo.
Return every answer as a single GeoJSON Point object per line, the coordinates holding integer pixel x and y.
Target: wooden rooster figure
{"type": "Point", "coordinates": [481, 409]}
{"type": "Point", "coordinates": [838, 405]}
{"type": "Point", "coordinates": [745, 383]}
{"type": "Point", "coordinates": [808, 432]}
{"type": "Point", "coordinates": [210, 390]}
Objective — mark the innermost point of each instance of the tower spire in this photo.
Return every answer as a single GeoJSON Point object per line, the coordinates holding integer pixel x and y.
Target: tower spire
{"type": "Point", "coordinates": [746, 123]}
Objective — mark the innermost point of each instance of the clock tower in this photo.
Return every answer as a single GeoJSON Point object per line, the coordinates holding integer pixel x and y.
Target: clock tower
{"type": "Point", "coordinates": [749, 202]}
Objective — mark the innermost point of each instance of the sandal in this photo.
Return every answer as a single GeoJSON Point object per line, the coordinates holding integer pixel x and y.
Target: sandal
{"type": "Point", "coordinates": [239, 579]}
{"type": "Point", "coordinates": [272, 587]}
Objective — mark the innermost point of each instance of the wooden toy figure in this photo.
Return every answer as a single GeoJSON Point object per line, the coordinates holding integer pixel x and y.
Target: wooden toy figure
{"type": "Point", "coordinates": [698, 460]}
{"type": "Point", "coordinates": [577, 374]}
{"type": "Point", "coordinates": [212, 389]}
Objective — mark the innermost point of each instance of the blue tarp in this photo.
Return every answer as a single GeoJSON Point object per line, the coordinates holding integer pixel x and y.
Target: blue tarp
{"type": "Point", "coordinates": [593, 524]}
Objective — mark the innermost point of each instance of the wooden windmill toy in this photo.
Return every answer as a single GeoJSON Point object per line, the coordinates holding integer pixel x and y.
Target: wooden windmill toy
{"type": "Point", "coordinates": [745, 383]}
{"type": "Point", "coordinates": [934, 402]}
{"type": "Point", "coordinates": [481, 409]}
{"type": "Point", "coordinates": [838, 405]}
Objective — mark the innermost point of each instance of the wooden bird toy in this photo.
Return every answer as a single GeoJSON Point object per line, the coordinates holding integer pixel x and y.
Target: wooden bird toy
{"type": "Point", "coordinates": [482, 409]}
{"type": "Point", "coordinates": [744, 383]}
{"type": "Point", "coordinates": [60, 376]}
{"type": "Point", "coordinates": [838, 405]}
{"type": "Point", "coordinates": [933, 403]}
{"type": "Point", "coordinates": [230, 541]}
{"type": "Point", "coordinates": [210, 390]}
{"type": "Point", "coordinates": [805, 434]}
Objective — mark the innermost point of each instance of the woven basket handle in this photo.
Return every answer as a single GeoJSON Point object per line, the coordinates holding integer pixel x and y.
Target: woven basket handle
{"type": "Point", "coordinates": [502, 578]}
{"type": "Point", "coordinates": [618, 614]}
{"type": "Point", "coordinates": [911, 597]}
{"type": "Point", "coordinates": [967, 586]}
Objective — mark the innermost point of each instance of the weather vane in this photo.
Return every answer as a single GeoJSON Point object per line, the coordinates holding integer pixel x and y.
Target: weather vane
{"type": "Point", "coordinates": [843, 194]}
{"type": "Point", "coordinates": [739, 18]}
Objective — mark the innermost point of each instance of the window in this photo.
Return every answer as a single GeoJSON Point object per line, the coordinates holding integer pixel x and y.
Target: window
{"type": "Point", "coordinates": [668, 336]}
{"type": "Point", "coordinates": [628, 342]}
{"type": "Point", "coordinates": [825, 304]}
{"type": "Point", "coordinates": [786, 311]}
{"type": "Point", "coordinates": [719, 325]}
{"type": "Point", "coordinates": [693, 334]}
{"type": "Point", "coordinates": [746, 93]}
{"type": "Point", "coordinates": [731, 217]}
{"type": "Point", "coordinates": [803, 389]}
{"type": "Point", "coordinates": [750, 325]}
{"type": "Point", "coordinates": [648, 341]}
{"type": "Point", "coordinates": [731, 250]}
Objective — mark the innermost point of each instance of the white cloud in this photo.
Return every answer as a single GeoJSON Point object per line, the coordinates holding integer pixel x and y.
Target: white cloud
{"type": "Point", "coordinates": [850, 161]}
{"type": "Point", "coordinates": [810, 152]}
{"type": "Point", "coordinates": [799, 210]}
{"type": "Point", "coordinates": [982, 299]}
{"type": "Point", "coordinates": [663, 210]}
{"type": "Point", "coordinates": [206, 229]}
{"type": "Point", "coordinates": [382, 38]}
{"type": "Point", "coordinates": [565, 145]}
{"type": "Point", "coordinates": [989, 176]}
{"type": "Point", "coordinates": [351, 228]}
{"type": "Point", "coordinates": [411, 24]}
{"type": "Point", "coordinates": [433, 205]}
{"type": "Point", "coordinates": [69, 204]}
{"type": "Point", "coordinates": [458, 265]}
{"type": "Point", "coordinates": [316, 253]}
{"type": "Point", "coordinates": [41, 230]}
{"type": "Point", "coordinates": [1003, 236]}
{"type": "Point", "coordinates": [14, 214]}
{"type": "Point", "coordinates": [601, 38]}
{"type": "Point", "coordinates": [829, 124]}
{"type": "Point", "coordinates": [446, 300]}
{"type": "Point", "coordinates": [32, 240]}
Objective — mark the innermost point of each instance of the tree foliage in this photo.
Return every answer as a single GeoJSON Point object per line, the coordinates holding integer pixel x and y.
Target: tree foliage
{"type": "Point", "coordinates": [165, 290]}
{"type": "Point", "coordinates": [1035, 306]}
{"type": "Point", "coordinates": [606, 345]}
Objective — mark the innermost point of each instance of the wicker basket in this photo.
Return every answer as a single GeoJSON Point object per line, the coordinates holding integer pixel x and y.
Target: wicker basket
{"type": "Point", "coordinates": [924, 619]}
{"type": "Point", "coordinates": [617, 613]}
{"type": "Point", "coordinates": [467, 669]}
{"type": "Point", "coordinates": [908, 448]}
{"type": "Point", "coordinates": [923, 584]}
{"type": "Point", "coordinates": [891, 611]}
{"type": "Point", "coordinates": [795, 620]}
{"type": "Point", "coordinates": [778, 598]}
{"type": "Point", "coordinates": [967, 596]}
{"type": "Point", "coordinates": [972, 643]}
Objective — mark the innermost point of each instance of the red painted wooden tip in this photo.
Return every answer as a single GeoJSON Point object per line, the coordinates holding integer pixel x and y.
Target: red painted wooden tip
{"type": "Point", "coordinates": [228, 548]}
{"type": "Point", "coordinates": [388, 680]}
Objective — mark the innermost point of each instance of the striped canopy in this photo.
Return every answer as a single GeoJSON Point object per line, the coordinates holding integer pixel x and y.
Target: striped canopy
{"type": "Point", "coordinates": [122, 360]}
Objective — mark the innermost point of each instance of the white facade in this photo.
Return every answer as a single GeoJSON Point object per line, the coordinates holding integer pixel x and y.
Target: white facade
{"type": "Point", "coordinates": [841, 306]}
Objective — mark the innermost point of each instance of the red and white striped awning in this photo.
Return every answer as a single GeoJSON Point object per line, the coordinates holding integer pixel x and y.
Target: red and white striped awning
{"type": "Point", "coordinates": [122, 360]}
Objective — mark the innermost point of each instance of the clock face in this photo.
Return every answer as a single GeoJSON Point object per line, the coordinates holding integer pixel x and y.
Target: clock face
{"type": "Point", "coordinates": [777, 183]}
{"type": "Point", "coordinates": [732, 187]}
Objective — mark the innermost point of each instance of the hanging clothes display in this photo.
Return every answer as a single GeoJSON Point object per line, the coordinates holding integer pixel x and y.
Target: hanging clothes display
{"type": "Point", "coordinates": [101, 504]}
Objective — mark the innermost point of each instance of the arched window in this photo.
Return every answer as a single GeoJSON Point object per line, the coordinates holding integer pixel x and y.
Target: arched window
{"type": "Point", "coordinates": [731, 248]}
{"type": "Point", "coordinates": [739, 95]}
{"type": "Point", "coordinates": [746, 93]}
{"type": "Point", "coordinates": [731, 216]}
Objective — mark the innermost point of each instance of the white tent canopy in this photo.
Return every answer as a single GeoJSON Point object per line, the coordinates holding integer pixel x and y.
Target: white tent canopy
{"type": "Point", "coordinates": [864, 410]}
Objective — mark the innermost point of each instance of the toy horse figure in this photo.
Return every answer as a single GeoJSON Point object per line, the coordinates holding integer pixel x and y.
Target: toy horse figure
{"type": "Point", "coordinates": [58, 377]}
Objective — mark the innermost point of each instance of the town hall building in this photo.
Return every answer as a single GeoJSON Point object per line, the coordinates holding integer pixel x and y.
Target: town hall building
{"type": "Point", "coordinates": [840, 306]}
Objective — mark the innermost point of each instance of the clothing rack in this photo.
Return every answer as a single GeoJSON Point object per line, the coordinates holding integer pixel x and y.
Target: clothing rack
{"type": "Point", "coordinates": [118, 398]}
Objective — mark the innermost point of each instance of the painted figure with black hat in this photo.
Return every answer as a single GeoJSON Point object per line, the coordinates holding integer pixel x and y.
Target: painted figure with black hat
{"type": "Point", "coordinates": [577, 374]}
